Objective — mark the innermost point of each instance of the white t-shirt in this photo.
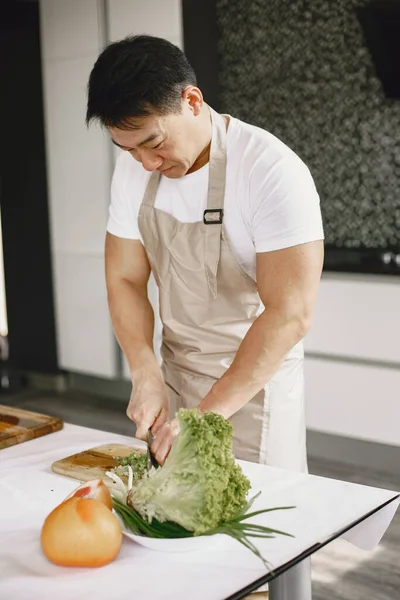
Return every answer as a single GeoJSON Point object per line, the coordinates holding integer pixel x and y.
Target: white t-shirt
{"type": "Point", "coordinates": [271, 201]}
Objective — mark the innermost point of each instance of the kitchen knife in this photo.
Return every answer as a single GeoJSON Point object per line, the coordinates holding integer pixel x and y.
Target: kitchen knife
{"type": "Point", "coordinates": [151, 459]}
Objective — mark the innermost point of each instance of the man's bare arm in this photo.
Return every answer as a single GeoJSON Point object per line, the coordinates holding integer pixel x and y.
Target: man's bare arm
{"type": "Point", "coordinates": [287, 282]}
{"type": "Point", "coordinates": [127, 275]}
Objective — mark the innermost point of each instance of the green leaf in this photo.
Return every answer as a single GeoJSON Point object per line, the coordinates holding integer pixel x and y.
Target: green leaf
{"type": "Point", "coordinates": [235, 528]}
{"type": "Point", "coordinates": [260, 512]}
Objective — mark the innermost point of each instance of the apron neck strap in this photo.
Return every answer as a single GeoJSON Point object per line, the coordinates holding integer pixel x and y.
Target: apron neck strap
{"type": "Point", "coordinates": [217, 173]}
{"type": "Point", "coordinates": [214, 214]}
{"type": "Point", "coordinates": [150, 193]}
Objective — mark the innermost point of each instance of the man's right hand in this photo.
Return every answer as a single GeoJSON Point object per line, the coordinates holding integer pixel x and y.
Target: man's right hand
{"type": "Point", "coordinates": [148, 406]}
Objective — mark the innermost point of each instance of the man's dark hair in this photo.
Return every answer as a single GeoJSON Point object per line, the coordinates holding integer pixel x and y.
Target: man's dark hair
{"type": "Point", "coordinates": [135, 77]}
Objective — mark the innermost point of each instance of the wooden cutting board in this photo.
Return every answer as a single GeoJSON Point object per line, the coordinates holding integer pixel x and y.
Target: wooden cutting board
{"type": "Point", "coordinates": [18, 425]}
{"type": "Point", "coordinates": [92, 463]}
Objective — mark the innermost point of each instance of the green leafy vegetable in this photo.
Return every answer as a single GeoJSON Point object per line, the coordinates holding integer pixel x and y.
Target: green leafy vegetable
{"type": "Point", "coordinates": [200, 490]}
{"type": "Point", "coordinates": [200, 485]}
{"type": "Point", "coordinates": [137, 460]}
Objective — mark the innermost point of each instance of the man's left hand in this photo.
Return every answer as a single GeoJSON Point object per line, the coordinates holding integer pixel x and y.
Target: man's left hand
{"type": "Point", "coordinates": [164, 439]}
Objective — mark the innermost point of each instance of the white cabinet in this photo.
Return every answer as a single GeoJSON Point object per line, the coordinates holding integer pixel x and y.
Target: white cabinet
{"type": "Point", "coordinates": [357, 317]}
{"type": "Point", "coordinates": [353, 400]}
{"type": "Point", "coordinates": [353, 362]}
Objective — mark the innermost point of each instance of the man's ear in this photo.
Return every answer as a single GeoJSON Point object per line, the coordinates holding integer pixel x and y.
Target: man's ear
{"type": "Point", "coordinates": [193, 97]}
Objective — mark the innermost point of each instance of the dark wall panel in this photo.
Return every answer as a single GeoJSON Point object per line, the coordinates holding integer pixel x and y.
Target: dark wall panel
{"type": "Point", "coordinates": [25, 223]}
{"type": "Point", "coordinates": [200, 34]}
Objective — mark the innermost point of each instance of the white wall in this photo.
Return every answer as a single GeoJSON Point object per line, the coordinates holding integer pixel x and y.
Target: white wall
{"type": "Point", "coordinates": [79, 170]}
{"type": "Point", "coordinates": [80, 163]}
{"type": "Point", "coordinates": [161, 18]}
{"type": "Point", "coordinates": [353, 376]}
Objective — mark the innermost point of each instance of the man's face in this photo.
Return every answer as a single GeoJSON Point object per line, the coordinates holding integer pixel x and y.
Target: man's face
{"type": "Point", "coordinates": [166, 143]}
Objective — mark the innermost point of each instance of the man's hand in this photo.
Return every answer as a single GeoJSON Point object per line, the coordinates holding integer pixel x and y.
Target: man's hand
{"type": "Point", "coordinates": [164, 439]}
{"type": "Point", "coordinates": [148, 407]}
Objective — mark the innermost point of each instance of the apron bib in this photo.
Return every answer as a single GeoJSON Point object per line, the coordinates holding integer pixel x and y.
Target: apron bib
{"type": "Point", "coordinates": [207, 304]}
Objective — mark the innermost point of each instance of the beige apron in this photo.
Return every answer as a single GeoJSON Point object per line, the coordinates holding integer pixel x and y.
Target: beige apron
{"type": "Point", "coordinates": [207, 304]}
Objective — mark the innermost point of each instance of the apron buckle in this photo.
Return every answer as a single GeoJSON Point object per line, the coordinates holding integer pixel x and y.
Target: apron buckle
{"type": "Point", "coordinates": [215, 216]}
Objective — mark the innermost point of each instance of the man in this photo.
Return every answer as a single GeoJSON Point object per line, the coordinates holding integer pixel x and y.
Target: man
{"type": "Point", "coordinates": [227, 218]}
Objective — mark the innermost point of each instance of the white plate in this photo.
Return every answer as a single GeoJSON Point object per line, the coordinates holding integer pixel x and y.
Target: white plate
{"type": "Point", "coordinates": [190, 544]}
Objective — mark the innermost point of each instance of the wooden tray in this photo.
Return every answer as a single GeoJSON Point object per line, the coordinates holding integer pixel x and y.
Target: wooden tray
{"type": "Point", "coordinates": [18, 425]}
{"type": "Point", "coordinates": [92, 463]}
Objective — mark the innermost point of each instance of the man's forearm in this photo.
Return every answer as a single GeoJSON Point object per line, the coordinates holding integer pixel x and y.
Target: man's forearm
{"type": "Point", "coordinates": [133, 322]}
{"type": "Point", "coordinates": [259, 356]}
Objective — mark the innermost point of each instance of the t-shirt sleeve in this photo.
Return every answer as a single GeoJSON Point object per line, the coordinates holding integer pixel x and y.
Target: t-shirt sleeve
{"type": "Point", "coordinates": [286, 207]}
{"type": "Point", "coordinates": [123, 214]}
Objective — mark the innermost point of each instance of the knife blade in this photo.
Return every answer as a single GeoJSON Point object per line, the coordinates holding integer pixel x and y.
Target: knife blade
{"type": "Point", "coordinates": [151, 459]}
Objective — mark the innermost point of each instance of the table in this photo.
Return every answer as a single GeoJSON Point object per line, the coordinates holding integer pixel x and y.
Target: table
{"type": "Point", "coordinates": [325, 509]}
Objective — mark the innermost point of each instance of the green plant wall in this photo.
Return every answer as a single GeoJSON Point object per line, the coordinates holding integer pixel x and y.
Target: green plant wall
{"type": "Point", "coordinates": [301, 69]}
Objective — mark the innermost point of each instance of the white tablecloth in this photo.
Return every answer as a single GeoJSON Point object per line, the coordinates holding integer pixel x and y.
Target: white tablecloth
{"type": "Point", "coordinates": [29, 490]}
